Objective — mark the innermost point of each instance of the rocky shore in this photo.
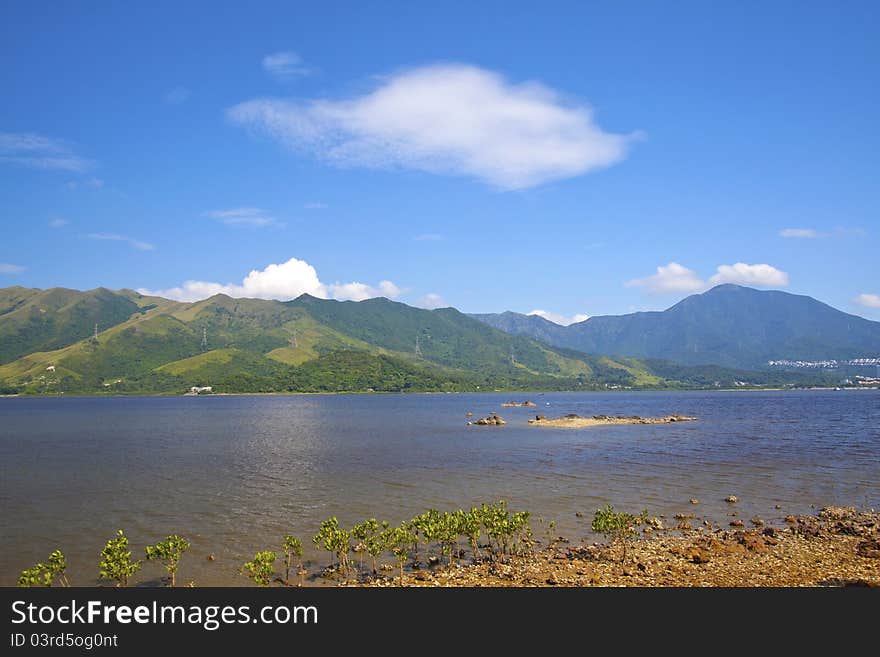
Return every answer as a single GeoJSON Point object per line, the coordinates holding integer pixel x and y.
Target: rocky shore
{"type": "Point", "coordinates": [573, 421]}
{"type": "Point", "coordinates": [838, 547]}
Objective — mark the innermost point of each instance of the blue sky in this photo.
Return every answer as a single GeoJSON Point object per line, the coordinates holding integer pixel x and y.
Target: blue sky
{"type": "Point", "coordinates": [578, 158]}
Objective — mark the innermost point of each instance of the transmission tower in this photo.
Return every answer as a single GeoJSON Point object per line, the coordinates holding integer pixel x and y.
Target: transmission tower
{"type": "Point", "coordinates": [95, 334]}
{"type": "Point", "coordinates": [204, 338]}
{"type": "Point", "coordinates": [293, 342]}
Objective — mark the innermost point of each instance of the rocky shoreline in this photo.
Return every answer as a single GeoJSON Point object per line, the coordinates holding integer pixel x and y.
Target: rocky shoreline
{"type": "Point", "coordinates": [837, 547]}
{"type": "Point", "coordinates": [573, 421]}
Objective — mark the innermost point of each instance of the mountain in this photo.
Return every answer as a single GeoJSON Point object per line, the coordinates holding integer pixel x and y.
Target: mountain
{"type": "Point", "coordinates": [729, 325]}
{"type": "Point", "coordinates": [151, 344]}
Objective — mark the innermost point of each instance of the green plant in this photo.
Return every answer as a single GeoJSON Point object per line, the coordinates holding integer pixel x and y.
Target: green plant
{"type": "Point", "coordinates": [400, 541]}
{"type": "Point", "coordinates": [447, 531]}
{"type": "Point", "coordinates": [293, 547]}
{"type": "Point", "coordinates": [335, 540]}
{"type": "Point", "coordinates": [470, 528]}
{"type": "Point", "coordinates": [116, 563]}
{"type": "Point", "coordinates": [508, 533]}
{"type": "Point", "coordinates": [619, 526]}
{"type": "Point", "coordinates": [168, 552]}
{"type": "Point", "coordinates": [261, 568]}
{"type": "Point", "coordinates": [375, 541]}
{"type": "Point", "coordinates": [44, 574]}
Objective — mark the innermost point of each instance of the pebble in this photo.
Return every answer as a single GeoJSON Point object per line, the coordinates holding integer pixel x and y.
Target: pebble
{"type": "Point", "coordinates": [731, 499]}
{"type": "Point", "coordinates": [694, 500]}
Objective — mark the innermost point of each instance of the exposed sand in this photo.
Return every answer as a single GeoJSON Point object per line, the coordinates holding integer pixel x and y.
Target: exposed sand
{"type": "Point", "coordinates": [577, 422]}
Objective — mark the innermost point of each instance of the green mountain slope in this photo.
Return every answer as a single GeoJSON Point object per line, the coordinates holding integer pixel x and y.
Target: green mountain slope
{"type": "Point", "coordinates": [729, 325]}
{"type": "Point", "coordinates": [306, 345]}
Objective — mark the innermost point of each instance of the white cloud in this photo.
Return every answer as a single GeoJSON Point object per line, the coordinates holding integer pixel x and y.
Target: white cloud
{"type": "Point", "coordinates": [285, 66]}
{"type": "Point", "coordinates": [8, 268]}
{"type": "Point", "coordinates": [556, 318]}
{"type": "Point", "coordinates": [361, 291]}
{"type": "Point", "coordinates": [244, 216]}
{"type": "Point", "coordinates": [670, 278]}
{"type": "Point", "coordinates": [754, 275]}
{"type": "Point", "coordinates": [176, 96]}
{"type": "Point", "coordinates": [58, 222]}
{"type": "Point", "coordinates": [38, 152]}
{"type": "Point", "coordinates": [431, 301]}
{"type": "Point", "coordinates": [140, 245]}
{"type": "Point", "coordinates": [868, 300]}
{"type": "Point", "coordinates": [429, 237]}
{"type": "Point", "coordinates": [283, 281]}
{"type": "Point", "coordinates": [446, 119]}
{"type": "Point", "coordinates": [803, 233]}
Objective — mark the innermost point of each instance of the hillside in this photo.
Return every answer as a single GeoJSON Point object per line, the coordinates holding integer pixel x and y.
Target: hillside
{"type": "Point", "coordinates": [148, 344]}
{"type": "Point", "coordinates": [729, 325]}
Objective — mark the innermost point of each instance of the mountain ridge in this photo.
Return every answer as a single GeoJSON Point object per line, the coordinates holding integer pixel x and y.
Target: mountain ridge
{"type": "Point", "coordinates": [729, 325]}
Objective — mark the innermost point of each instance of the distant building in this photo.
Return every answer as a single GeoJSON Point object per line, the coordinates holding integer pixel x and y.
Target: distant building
{"type": "Point", "coordinates": [198, 390]}
{"type": "Point", "coordinates": [51, 368]}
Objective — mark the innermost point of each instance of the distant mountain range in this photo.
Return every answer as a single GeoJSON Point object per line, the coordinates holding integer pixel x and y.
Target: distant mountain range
{"type": "Point", "coordinates": [730, 326]}
{"type": "Point", "coordinates": [62, 340]}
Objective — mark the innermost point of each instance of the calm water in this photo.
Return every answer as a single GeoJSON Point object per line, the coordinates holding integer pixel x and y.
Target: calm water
{"type": "Point", "coordinates": [236, 473]}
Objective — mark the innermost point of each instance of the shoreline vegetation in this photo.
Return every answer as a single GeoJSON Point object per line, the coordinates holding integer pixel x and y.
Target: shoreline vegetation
{"type": "Point", "coordinates": [492, 546]}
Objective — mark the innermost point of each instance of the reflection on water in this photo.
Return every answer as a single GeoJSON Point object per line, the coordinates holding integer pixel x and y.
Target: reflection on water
{"type": "Point", "coordinates": [235, 473]}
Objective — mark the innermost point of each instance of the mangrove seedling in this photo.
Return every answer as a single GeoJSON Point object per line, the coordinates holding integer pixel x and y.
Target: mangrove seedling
{"type": "Point", "coordinates": [168, 552]}
{"type": "Point", "coordinates": [619, 526]}
{"type": "Point", "coordinates": [293, 547]}
{"type": "Point", "coordinates": [400, 541]}
{"type": "Point", "coordinates": [375, 542]}
{"type": "Point", "coordinates": [116, 563]}
{"type": "Point", "coordinates": [261, 568]}
{"type": "Point", "coordinates": [469, 526]}
{"type": "Point", "coordinates": [44, 574]}
{"type": "Point", "coordinates": [335, 540]}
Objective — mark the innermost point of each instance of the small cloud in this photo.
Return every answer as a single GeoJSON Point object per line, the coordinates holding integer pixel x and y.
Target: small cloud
{"type": "Point", "coordinates": [669, 279]}
{"type": "Point", "coordinates": [38, 152]}
{"type": "Point", "coordinates": [432, 301]}
{"type": "Point", "coordinates": [429, 237]}
{"type": "Point", "coordinates": [868, 300]}
{"type": "Point", "coordinates": [176, 96]}
{"type": "Point", "coordinates": [361, 291]}
{"type": "Point", "coordinates": [800, 233]}
{"type": "Point", "coordinates": [9, 268]}
{"type": "Point", "coordinates": [132, 242]}
{"type": "Point", "coordinates": [754, 275]}
{"type": "Point", "coordinates": [283, 282]}
{"type": "Point", "coordinates": [450, 120]}
{"type": "Point", "coordinates": [315, 205]}
{"type": "Point", "coordinates": [285, 66]}
{"type": "Point", "coordinates": [562, 320]}
{"type": "Point", "coordinates": [244, 217]}
{"type": "Point", "coordinates": [58, 222]}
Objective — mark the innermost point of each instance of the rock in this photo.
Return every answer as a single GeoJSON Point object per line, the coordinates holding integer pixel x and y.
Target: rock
{"type": "Point", "coordinates": [832, 513]}
{"type": "Point", "coordinates": [791, 520]}
{"type": "Point", "coordinates": [684, 525]}
{"type": "Point", "coordinates": [731, 499]}
{"type": "Point", "coordinates": [696, 554]}
{"type": "Point", "coordinates": [654, 523]}
{"type": "Point", "coordinates": [468, 414]}
{"type": "Point", "coordinates": [421, 576]}
{"type": "Point", "coordinates": [578, 514]}
{"type": "Point", "coordinates": [737, 523]}
{"type": "Point", "coordinates": [572, 416]}
{"type": "Point", "coordinates": [757, 522]}
{"type": "Point", "coordinates": [753, 542]}
{"type": "Point", "coordinates": [683, 516]}
{"type": "Point", "coordinates": [491, 420]}
{"type": "Point", "coordinates": [694, 500]}
{"type": "Point", "coordinates": [778, 506]}
{"type": "Point", "coordinates": [769, 531]}
{"type": "Point", "coordinates": [540, 417]}
{"type": "Point", "coordinates": [869, 548]}
{"type": "Point", "coordinates": [210, 557]}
